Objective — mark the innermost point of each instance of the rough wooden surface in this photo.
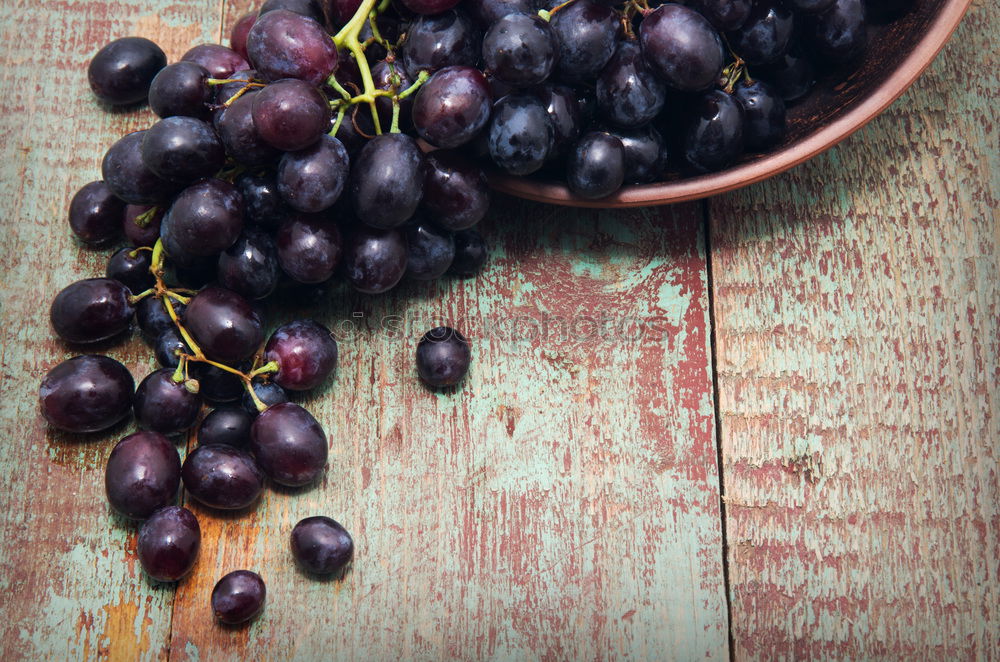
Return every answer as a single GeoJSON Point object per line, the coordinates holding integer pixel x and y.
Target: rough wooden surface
{"type": "Point", "coordinates": [857, 322]}
{"type": "Point", "coordinates": [563, 504]}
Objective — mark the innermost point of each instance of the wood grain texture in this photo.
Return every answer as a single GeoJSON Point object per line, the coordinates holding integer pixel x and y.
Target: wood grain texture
{"type": "Point", "coordinates": [857, 316]}
{"type": "Point", "coordinates": [562, 505]}
{"type": "Point", "coordinates": [70, 586]}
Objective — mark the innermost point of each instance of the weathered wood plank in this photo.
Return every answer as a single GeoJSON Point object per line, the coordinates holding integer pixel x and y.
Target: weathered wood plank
{"type": "Point", "coordinates": [857, 316]}
{"type": "Point", "coordinates": [70, 587]}
{"type": "Point", "coordinates": [562, 505]}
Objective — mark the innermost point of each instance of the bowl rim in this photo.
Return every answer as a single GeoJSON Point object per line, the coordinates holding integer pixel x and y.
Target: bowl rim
{"type": "Point", "coordinates": [703, 186]}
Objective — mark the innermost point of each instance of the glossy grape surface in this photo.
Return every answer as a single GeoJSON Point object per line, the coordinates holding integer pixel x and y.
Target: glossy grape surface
{"type": "Point", "coordinates": [470, 254]}
{"type": "Point", "coordinates": [283, 44]}
{"type": "Point", "coordinates": [120, 73]}
{"type": "Point", "coordinates": [456, 194]}
{"type": "Point", "coordinates": [142, 474]}
{"type": "Point", "coordinates": [238, 133]}
{"type": "Point", "coordinates": [268, 393]}
{"type": "Point", "coordinates": [164, 405]}
{"type": "Point", "coordinates": [309, 248]}
{"type": "Point", "coordinates": [629, 95]}
{"type": "Point", "coordinates": [129, 178]}
{"type": "Point", "coordinates": [167, 346]}
{"type": "Point", "coordinates": [682, 47]}
{"type": "Point", "coordinates": [765, 35]}
{"type": "Point", "coordinates": [444, 40]}
{"type": "Point", "coordinates": [221, 476]}
{"type": "Point", "coordinates": [182, 149]}
{"type": "Point", "coordinates": [306, 354]}
{"type": "Point", "coordinates": [521, 134]}
{"type": "Point", "coordinates": [153, 318]}
{"type": "Point", "coordinates": [263, 206]}
{"type": "Point", "coordinates": [289, 444]}
{"type": "Point", "coordinates": [520, 49]}
{"type": "Point", "coordinates": [224, 324]}
{"type": "Point", "coordinates": [839, 34]}
{"type": "Point", "coordinates": [443, 357]}
{"type": "Point", "coordinates": [321, 545]}
{"type": "Point", "coordinates": [387, 180]}
{"type": "Point", "coordinates": [250, 266]}
{"type": "Point", "coordinates": [312, 179]}
{"type": "Point", "coordinates": [763, 114]}
{"type": "Point", "coordinates": [205, 219]}
{"type": "Point", "coordinates": [131, 268]}
{"type": "Point", "coordinates": [91, 310]}
{"type": "Point", "coordinates": [452, 107]}
{"type": "Point", "coordinates": [645, 154]}
{"type": "Point", "coordinates": [429, 250]}
{"type": "Point", "coordinates": [168, 543]}
{"type": "Point", "coordinates": [238, 597]}
{"type": "Point", "coordinates": [238, 35]}
{"type": "Point", "coordinates": [723, 14]}
{"type": "Point", "coordinates": [596, 168]}
{"type": "Point", "coordinates": [714, 136]}
{"type": "Point", "coordinates": [95, 214]}
{"type": "Point", "coordinates": [226, 425]}
{"type": "Point", "coordinates": [217, 386]}
{"type": "Point", "coordinates": [564, 111]}
{"type": "Point", "coordinates": [86, 394]}
{"type": "Point", "coordinates": [587, 34]}
{"type": "Point", "coordinates": [374, 260]}
{"type": "Point", "coordinates": [181, 89]}
{"type": "Point", "coordinates": [219, 61]}
{"type": "Point", "coordinates": [146, 234]}
{"type": "Point", "coordinates": [290, 114]}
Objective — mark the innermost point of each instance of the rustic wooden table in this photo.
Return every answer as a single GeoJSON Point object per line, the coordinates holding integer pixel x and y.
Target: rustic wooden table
{"type": "Point", "coordinates": [828, 338]}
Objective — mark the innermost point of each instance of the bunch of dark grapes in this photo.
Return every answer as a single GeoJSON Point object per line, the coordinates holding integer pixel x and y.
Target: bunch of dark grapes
{"type": "Point", "coordinates": [349, 141]}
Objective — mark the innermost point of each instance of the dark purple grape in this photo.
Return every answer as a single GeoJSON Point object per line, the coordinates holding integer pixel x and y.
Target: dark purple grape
{"type": "Point", "coordinates": [724, 15]}
{"type": "Point", "coordinates": [456, 194]}
{"type": "Point", "coordinates": [250, 266]}
{"type": "Point", "coordinates": [321, 545]}
{"type": "Point", "coordinates": [374, 260]}
{"type": "Point", "coordinates": [263, 206]}
{"type": "Point", "coordinates": [238, 597]}
{"type": "Point", "coordinates": [121, 72]}
{"type": "Point", "coordinates": [268, 393]}
{"type": "Point", "coordinates": [222, 477]}
{"type": "Point", "coordinates": [452, 107]}
{"type": "Point", "coordinates": [238, 35]}
{"type": "Point", "coordinates": [86, 394]}
{"type": "Point", "coordinates": [341, 11]}
{"type": "Point", "coordinates": [488, 12]}
{"type": "Point", "coordinates": [95, 214]}
{"type": "Point", "coordinates": [130, 267]}
{"type": "Point", "coordinates": [429, 250]}
{"type": "Point", "coordinates": [839, 35]}
{"type": "Point", "coordinates": [312, 179]}
{"type": "Point", "coordinates": [153, 318]}
{"type": "Point", "coordinates": [239, 134]}
{"type": "Point", "coordinates": [629, 95]}
{"type": "Point", "coordinates": [442, 40]}
{"type": "Point", "coordinates": [763, 114]}
{"type": "Point", "coordinates": [91, 310]}
{"type": "Point", "coordinates": [217, 385]}
{"type": "Point", "coordinates": [792, 76]}
{"type": "Point", "coordinates": [387, 180]}
{"type": "Point", "coordinates": [226, 425]}
{"type": "Point", "coordinates": [520, 49]}
{"type": "Point", "coordinates": [182, 149]}
{"type": "Point", "coordinates": [168, 543]}
{"type": "Point", "coordinates": [164, 405]}
{"type": "Point", "coordinates": [429, 6]}
{"type": "Point", "coordinates": [224, 324]}
{"type": "Point", "coordinates": [145, 234]}
{"type": "Point", "coordinates": [310, 8]}
{"type": "Point", "coordinates": [309, 248]}
{"type": "Point", "coordinates": [167, 347]}
{"type": "Point", "coordinates": [645, 154]}
{"type": "Point", "coordinates": [765, 35]}
{"type": "Point", "coordinates": [470, 254]}
{"type": "Point", "coordinates": [443, 357]}
{"type": "Point", "coordinates": [808, 6]}
{"type": "Point", "coordinates": [587, 34]}
{"type": "Point", "coordinates": [283, 44]}
{"type": "Point", "coordinates": [128, 177]}
{"type": "Point", "coordinates": [219, 61]}
{"type": "Point", "coordinates": [564, 111]}
{"type": "Point", "coordinates": [521, 134]}
{"type": "Point", "coordinates": [181, 89]}
{"type": "Point", "coordinates": [682, 47]}
{"type": "Point", "coordinates": [714, 135]}
{"type": "Point", "coordinates": [305, 352]}
{"type": "Point", "coordinates": [290, 446]}
{"type": "Point", "coordinates": [596, 167]}
{"type": "Point", "coordinates": [142, 474]}
{"type": "Point", "coordinates": [205, 219]}
{"type": "Point", "coordinates": [290, 114]}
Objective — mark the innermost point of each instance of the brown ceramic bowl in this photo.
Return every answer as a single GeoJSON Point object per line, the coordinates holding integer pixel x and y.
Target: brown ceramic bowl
{"type": "Point", "coordinates": [836, 108]}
